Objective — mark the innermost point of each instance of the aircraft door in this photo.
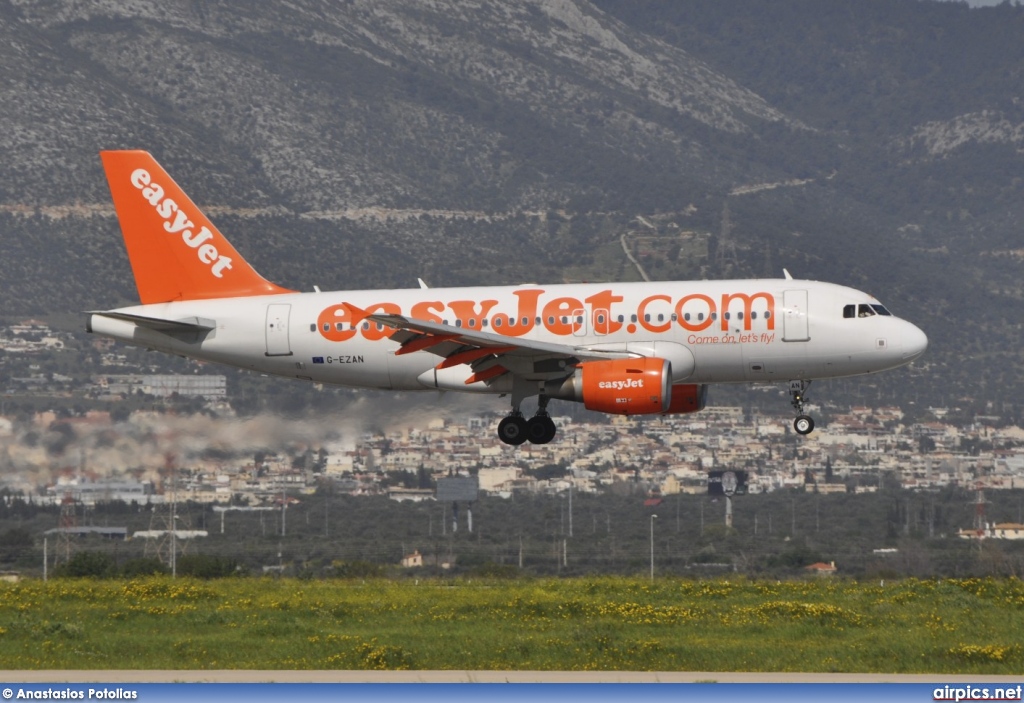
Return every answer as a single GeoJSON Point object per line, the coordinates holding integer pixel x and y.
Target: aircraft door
{"type": "Point", "coordinates": [277, 330]}
{"type": "Point", "coordinates": [794, 319]}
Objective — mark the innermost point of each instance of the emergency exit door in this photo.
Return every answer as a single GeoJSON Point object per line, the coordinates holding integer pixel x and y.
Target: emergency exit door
{"type": "Point", "coordinates": [794, 319]}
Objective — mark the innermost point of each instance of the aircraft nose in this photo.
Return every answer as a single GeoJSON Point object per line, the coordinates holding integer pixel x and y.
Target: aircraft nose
{"type": "Point", "coordinates": [914, 342]}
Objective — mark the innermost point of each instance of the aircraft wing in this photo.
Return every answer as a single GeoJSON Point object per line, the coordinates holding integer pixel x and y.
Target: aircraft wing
{"type": "Point", "coordinates": [489, 354]}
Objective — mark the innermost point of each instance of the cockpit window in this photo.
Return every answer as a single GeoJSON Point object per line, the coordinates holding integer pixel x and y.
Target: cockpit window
{"type": "Point", "coordinates": [865, 310]}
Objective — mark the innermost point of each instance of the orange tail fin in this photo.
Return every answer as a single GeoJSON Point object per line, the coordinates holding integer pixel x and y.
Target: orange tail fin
{"type": "Point", "coordinates": [175, 251]}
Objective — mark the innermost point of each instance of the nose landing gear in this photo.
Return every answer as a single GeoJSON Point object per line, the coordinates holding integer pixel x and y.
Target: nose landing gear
{"type": "Point", "coordinates": [803, 424]}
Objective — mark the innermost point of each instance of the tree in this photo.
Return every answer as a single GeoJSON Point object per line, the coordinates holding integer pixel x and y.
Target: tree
{"type": "Point", "coordinates": [88, 564]}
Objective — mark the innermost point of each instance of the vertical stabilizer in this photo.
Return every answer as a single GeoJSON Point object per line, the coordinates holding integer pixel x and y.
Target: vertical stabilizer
{"type": "Point", "coordinates": [175, 251]}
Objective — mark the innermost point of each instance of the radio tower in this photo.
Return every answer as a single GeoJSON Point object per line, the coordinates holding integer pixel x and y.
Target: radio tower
{"type": "Point", "coordinates": [66, 524]}
{"type": "Point", "coordinates": [979, 514]}
{"type": "Point", "coordinates": [164, 520]}
{"type": "Point", "coordinates": [726, 246]}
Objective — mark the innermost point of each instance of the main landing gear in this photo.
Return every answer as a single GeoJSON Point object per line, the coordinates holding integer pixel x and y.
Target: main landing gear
{"type": "Point", "coordinates": [539, 429]}
{"type": "Point", "coordinates": [803, 424]}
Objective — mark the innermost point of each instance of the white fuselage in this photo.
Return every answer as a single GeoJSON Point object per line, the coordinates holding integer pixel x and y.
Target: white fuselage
{"type": "Point", "coordinates": [762, 330]}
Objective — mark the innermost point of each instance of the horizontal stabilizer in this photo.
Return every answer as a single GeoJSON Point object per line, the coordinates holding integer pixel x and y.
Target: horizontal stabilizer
{"type": "Point", "coordinates": [194, 325]}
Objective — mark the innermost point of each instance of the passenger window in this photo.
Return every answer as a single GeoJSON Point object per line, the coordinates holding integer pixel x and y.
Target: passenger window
{"type": "Point", "coordinates": [753, 316]}
{"type": "Point", "coordinates": [849, 311]}
{"type": "Point", "coordinates": [726, 316]}
{"type": "Point", "coordinates": [472, 322]}
{"type": "Point", "coordinates": [647, 317]}
{"type": "Point", "coordinates": [497, 322]}
{"type": "Point", "coordinates": [600, 319]}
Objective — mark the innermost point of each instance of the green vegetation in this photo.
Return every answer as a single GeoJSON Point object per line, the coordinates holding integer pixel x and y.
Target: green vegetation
{"type": "Point", "coordinates": [888, 535]}
{"type": "Point", "coordinates": [949, 626]}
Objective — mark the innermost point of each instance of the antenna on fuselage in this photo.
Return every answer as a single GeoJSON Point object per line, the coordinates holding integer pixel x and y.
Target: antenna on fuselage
{"type": "Point", "coordinates": [423, 285]}
{"type": "Point", "coordinates": [787, 274]}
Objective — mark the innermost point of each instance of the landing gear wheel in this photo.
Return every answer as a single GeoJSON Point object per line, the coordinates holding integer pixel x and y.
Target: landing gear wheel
{"type": "Point", "coordinates": [540, 429]}
{"type": "Point", "coordinates": [512, 430]}
{"type": "Point", "coordinates": [803, 424]}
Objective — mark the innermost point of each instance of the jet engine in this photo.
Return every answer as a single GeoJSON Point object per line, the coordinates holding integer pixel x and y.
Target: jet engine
{"type": "Point", "coordinates": [639, 386]}
{"type": "Point", "coordinates": [687, 398]}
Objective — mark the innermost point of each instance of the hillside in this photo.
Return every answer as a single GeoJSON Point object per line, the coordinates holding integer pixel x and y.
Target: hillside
{"type": "Point", "coordinates": [362, 144]}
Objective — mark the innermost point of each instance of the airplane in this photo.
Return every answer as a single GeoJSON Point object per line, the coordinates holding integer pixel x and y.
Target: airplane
{"type": "Point", "coordinates": [621, 348]}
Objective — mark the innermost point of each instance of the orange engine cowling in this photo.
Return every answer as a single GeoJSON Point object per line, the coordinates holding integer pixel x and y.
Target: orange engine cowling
{"type": "Point", "coordinates": [620, 386]}
{"type": "Point", "coordinates": [687, 398]}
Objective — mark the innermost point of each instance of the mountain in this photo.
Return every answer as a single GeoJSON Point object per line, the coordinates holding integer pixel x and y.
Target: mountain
{"type": "Point", "coordinates": [876, 143]}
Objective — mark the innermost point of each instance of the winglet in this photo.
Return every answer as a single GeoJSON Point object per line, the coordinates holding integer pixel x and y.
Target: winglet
{"type": "Point", "coordinates": [175, 251]}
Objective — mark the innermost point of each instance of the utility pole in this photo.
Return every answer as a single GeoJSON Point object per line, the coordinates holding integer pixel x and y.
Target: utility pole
{"type": "Point", "coordinates": [652, 546]}
{"type": "Point", "coordinates": [570, 508]}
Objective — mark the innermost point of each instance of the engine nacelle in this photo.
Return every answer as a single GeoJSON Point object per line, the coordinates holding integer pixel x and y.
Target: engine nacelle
{"type": "Point", "coordinates": [639, 386]}
{"type": "Point", "coordinates": [687, 398]}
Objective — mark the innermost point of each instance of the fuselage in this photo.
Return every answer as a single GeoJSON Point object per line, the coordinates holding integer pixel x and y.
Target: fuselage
{"type": "Point", "coordinates": [731, 331]}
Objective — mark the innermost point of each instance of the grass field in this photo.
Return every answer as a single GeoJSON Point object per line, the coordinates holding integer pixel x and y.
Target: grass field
{"type": "Point", "coordinates": [948, 626]}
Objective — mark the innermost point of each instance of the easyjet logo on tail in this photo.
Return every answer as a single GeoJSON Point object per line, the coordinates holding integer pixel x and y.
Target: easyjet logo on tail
{"type": "Point", "coordinates": [176, 221]}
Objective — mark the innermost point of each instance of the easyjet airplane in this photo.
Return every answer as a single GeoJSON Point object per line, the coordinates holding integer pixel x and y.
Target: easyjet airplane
{"type": "Point", "coordinates": [623, 348]}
